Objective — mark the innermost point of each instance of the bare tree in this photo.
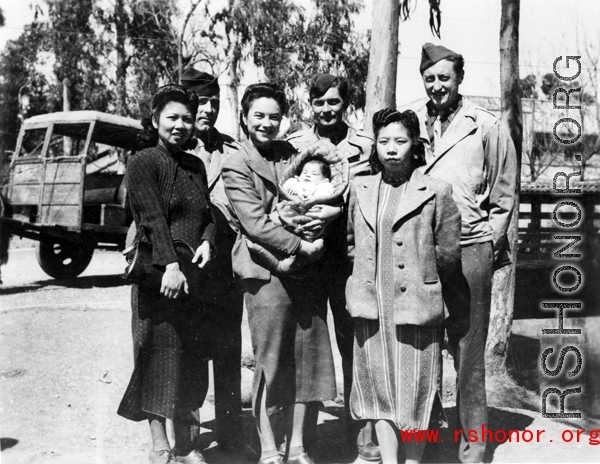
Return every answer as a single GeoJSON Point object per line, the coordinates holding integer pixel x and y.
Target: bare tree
{"type": "Point", "coordinates": [503, 289]}
{"type": "Point", "coordinates": [383, 59]}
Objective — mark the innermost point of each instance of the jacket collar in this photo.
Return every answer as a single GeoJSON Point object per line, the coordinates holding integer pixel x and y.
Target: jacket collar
{"type": "Point", "coordinates": [415, 194]}
{"type": "Point", "coordinates": [463, 124]}
{"type": "Point", "coordinates": [257, 163]}
{"type": "Point", "coordinates": [215, 147]}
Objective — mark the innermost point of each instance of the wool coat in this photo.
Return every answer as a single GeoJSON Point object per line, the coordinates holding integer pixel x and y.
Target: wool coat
{"type": "Point", "coordinates": [426, 234]}
{"type": "Point", "coordinates": [251, 186]}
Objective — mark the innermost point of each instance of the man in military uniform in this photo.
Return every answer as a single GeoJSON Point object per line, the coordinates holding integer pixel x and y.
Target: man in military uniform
{"type": "Point", "coordinates": [329, 98]}
{"type": "Point", "coordinates": [471, 150]}
{"type": "Point", "coordinates": [225, 318]}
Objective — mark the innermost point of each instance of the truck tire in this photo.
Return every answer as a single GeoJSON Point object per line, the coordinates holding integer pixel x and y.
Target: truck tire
{"type": "Point", "coordinates": [63, 259]}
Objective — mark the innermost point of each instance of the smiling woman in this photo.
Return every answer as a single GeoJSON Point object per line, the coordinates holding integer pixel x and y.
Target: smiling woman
{"type": "Point", "coordinates": [169, 199]}
{"type": "Point", "coordinates": [294, 363]}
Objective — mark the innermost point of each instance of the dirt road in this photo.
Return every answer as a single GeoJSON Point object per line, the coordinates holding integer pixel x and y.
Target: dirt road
{"type": "Point", "coordinates": [65, 360]}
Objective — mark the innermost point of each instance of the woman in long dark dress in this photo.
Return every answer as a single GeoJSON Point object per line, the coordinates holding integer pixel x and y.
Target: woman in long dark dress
{"type": "Point", "coordinates": [403, 234]}
{"type": "Point", "coordinates": [287, 315]}
{"type": "Point", "coordinates": [169, 200]}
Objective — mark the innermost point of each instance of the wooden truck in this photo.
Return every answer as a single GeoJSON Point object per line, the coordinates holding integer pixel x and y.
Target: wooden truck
{"type": "Point", "coordinates": [65, 188]}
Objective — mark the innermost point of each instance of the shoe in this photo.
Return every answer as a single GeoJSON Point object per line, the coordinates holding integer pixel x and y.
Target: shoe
{"type": "Point", "coordinates": [194, 457]}
{"type": "Point", "coordinates": [301, 459]}
{"type": "Point", "coordinates": [369, 452]}
{"type": "Point", "coordinates": [241, 451]}
{"type": "Point", "coordinates": [161, 456]}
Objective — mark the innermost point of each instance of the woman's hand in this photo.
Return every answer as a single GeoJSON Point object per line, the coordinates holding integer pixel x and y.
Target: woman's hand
{"type": "Point", "coordinates": [312, 250]}
{"type": "Point", "coordinates": [321, 215]}
{"type": "Point", "coordinates": [173, 282]}
{"type": "Point", "coordinates": [204, 253]}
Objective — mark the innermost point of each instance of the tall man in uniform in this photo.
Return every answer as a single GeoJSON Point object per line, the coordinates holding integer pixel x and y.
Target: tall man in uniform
{"type": "Point", "coordinates": [329, 97]}
{"type": "Point", "coordinates": [471, 150]}
{"type": "Point", "coordinates": [213, 148]}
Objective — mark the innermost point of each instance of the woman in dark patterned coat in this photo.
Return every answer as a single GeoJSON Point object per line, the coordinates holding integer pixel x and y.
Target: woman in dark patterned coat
{"type": "Point", "coordinates": [169, 200]}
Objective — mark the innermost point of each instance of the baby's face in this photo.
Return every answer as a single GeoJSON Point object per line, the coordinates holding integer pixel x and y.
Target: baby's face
{"type": "Point", "coordinates": [312, 174]}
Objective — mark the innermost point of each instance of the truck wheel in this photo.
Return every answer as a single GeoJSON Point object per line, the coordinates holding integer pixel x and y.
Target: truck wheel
{"type": "Point", "coordinates": [63, 259]}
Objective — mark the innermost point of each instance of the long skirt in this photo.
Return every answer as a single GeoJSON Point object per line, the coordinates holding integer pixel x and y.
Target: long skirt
{"type": "Point", "coordinates": [170, 374]}
{"type": "Point", "coordinates": [290, 339]}
{"type": "Point", "coordinates": [396, 371]}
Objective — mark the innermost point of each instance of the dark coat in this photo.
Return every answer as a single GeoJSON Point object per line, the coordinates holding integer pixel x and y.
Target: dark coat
{"type": "Point", "coordinates": [150, 180]}
{"type": "Point", "coordinates": [426, 234]}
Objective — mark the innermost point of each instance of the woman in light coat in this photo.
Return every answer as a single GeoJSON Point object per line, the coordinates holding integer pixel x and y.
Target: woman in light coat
{"type": "Point", "coordinates": [403, 236]}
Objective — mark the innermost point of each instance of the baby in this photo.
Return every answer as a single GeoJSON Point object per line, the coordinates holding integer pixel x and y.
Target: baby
{"type": "Point", "coordinates": [314, 180]}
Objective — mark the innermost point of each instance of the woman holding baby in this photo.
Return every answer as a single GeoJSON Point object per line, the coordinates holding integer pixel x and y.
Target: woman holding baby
{"type": "Point", "coordinates": [286, 314]}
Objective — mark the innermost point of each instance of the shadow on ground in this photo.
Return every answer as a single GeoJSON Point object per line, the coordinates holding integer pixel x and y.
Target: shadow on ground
{"type": "Point", "coordinates": [98, 281]}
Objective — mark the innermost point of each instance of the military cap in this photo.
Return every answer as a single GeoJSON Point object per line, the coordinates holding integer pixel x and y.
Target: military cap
{"type": "Point", "coordinates": [199, 82]}
{"type": "Point", "coordinates": [431, 54]}
{"type": "Point", "coordinates": [320, 83]}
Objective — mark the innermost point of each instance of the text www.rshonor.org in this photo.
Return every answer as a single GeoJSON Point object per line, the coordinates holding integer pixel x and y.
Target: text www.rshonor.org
{"type": "Point", "coordinates": [501, 436]}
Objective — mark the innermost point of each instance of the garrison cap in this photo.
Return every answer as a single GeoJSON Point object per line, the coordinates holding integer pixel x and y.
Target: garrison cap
{"type": "Point", "coordinates": [431, 54]}
{"type": "Point", "coordinates": [320, 84]}
{"type": "Point", "coordinates": [199, 82]}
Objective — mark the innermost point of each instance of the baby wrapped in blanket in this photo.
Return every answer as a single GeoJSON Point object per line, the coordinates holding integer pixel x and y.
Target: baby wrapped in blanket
{"type": "Point", "coordinates": [318, 176]}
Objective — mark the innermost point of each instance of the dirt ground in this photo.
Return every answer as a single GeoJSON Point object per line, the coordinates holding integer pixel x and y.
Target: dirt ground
{"type": "Point", "coordinates": [66, 358]}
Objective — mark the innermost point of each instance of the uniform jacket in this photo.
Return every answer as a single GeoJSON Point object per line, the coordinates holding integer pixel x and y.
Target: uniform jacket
{"type": "Point", "coordinates": [426, 235]}
{"type": "Point", "coordinates": [356, 147]}
{"type": "Point", "coordinates": [213, 155]}
{"type": "Point", "coordinates": [150, 180]}
{"type": "Point", "coordinates": [251, 186]}
{"type": "Point", "coordinates": [477, 157]}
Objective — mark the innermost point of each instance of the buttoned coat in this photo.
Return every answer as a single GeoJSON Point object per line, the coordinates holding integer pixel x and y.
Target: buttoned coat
{"type": "Point", "coordinates": [251, 186]}
{"type": "Point", "coordinates": [426, 237]}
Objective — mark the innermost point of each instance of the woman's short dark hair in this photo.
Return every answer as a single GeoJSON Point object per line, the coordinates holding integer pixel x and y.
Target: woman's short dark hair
{"type": "Point", "coordinates": [166, 94]}
{"type": "Point", "coordinates": [342, 85]}
{"type": "Point", "coordinates": [262, 90]}
{"type": "Point", "coordinates": [325, 169]}
{"type": "Point", "coordinates": [409, 120]}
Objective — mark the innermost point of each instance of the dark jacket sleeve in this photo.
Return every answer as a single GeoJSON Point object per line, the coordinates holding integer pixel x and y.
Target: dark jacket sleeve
{"type": "Point", "coordinates": [447, 232]}
{"type": "Point", "coordinates": [210, 230]}
{"type": "Point", "coordinates": [249, 209]}
{"type": "Point", "coordinates": [143, 187]}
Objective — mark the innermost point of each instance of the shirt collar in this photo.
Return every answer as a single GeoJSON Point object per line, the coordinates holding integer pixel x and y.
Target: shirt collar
{"type": "Point", "coordinates": [448, 113]}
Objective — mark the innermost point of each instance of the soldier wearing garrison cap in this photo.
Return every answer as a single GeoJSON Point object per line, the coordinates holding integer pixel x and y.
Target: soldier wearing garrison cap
{"type": "Point", "coordinates": [225, 318]}
{"type": "Point", "coordinates": [470, 149]}
{"type": "Point", "coordinates": [329, 97]}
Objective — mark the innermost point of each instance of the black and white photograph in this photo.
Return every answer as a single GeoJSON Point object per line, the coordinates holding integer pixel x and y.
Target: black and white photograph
{"type": "Point", "coordinates": [299, 231]}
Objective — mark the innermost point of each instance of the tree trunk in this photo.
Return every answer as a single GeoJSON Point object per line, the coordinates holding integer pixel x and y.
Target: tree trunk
{"type": "Point", "coordinates": [503, 290]}
{"type": "Point", "coordinates": [383, 59]}
{"type": "Point", "coordinates": [122, 60]}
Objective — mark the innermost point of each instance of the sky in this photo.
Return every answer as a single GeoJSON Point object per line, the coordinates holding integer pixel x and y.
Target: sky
{"type": "Point", "coordinates": [548, 28]}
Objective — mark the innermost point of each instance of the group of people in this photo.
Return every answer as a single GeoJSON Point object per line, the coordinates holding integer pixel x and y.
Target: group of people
{"type": "Point", "coordinates": [397, 235]}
